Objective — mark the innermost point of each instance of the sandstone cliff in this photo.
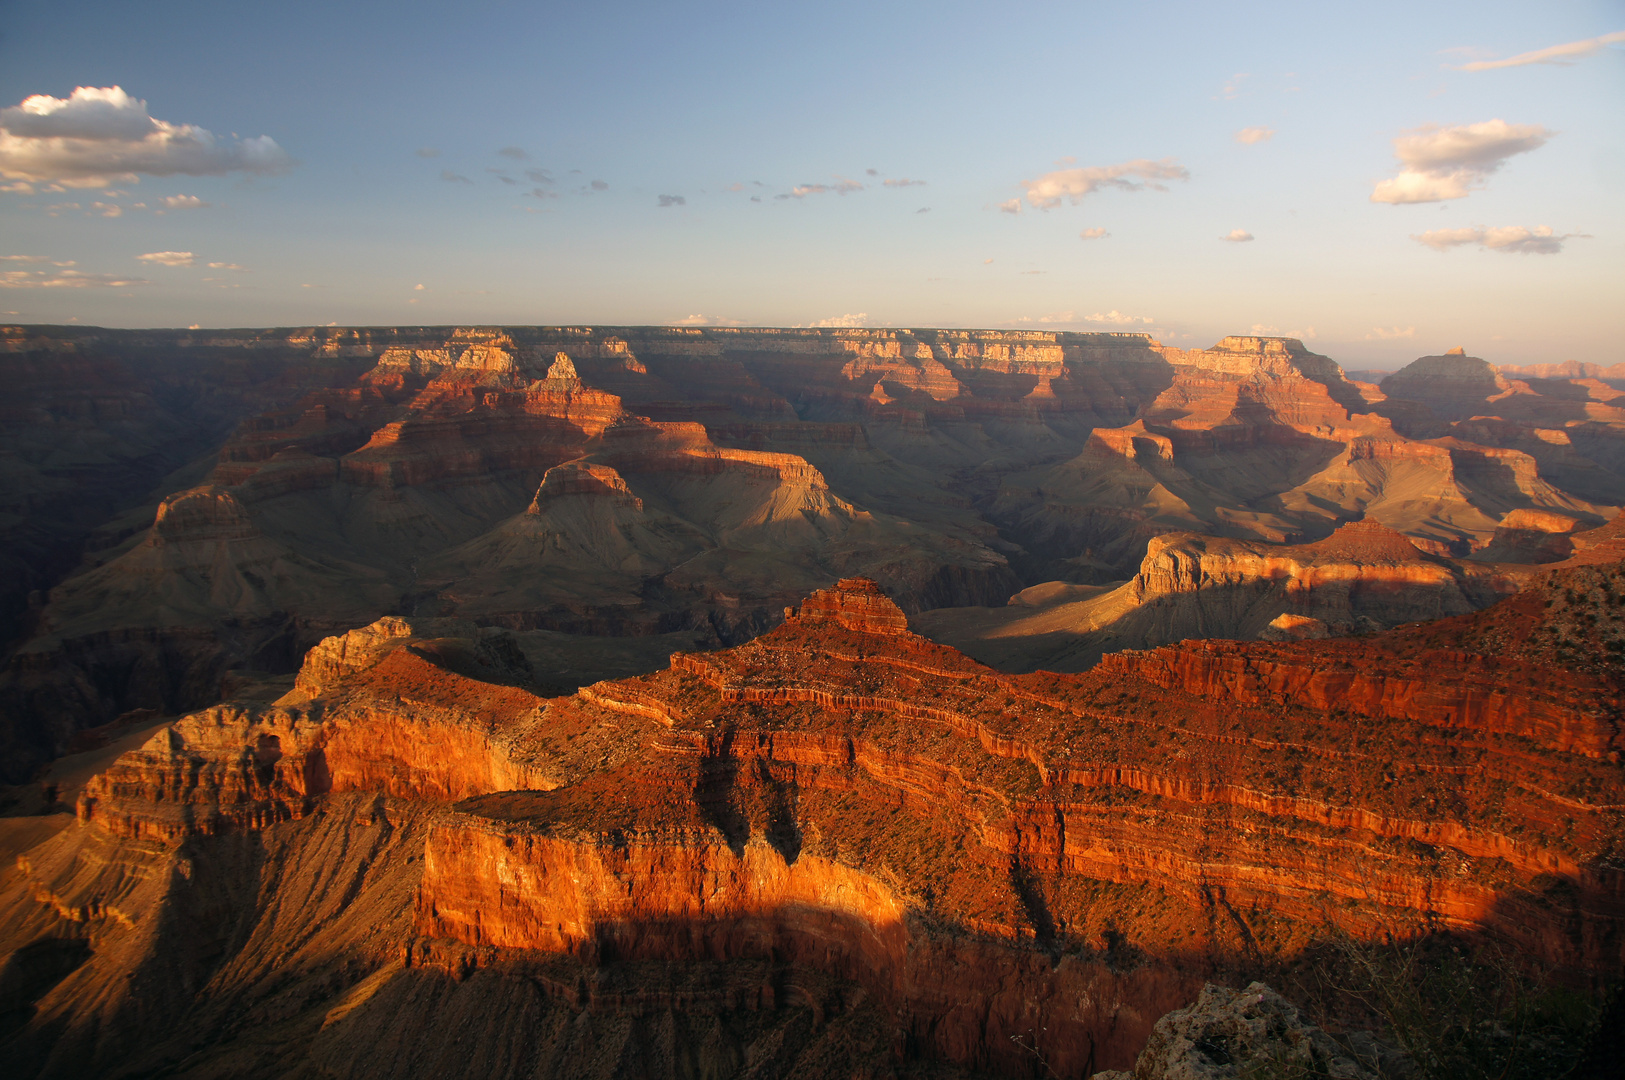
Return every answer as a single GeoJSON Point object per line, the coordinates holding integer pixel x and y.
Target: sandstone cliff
{"type": "Point", "coordinates": [1363, 577]}
{"type": "Point", "coordinates": [411, 471]}
{"type": "Point", "coordinates": [838, 834]}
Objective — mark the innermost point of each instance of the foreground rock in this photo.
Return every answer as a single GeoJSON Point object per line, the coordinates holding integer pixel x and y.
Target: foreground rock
{"type": "Point", "coordinates": [1228, 1034]}
{"type": "Point", "coordinates": [839, 847]}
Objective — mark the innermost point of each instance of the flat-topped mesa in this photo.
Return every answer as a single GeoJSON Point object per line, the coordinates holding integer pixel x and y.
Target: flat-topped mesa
{"type": "Point", "coordinates": [580, 477]}
{"type": "Point", "coordinates": [207, 513]}
{"type": "Point", "coordinates": [1246, 354]}
{"type": "Point", "coordinates": [855, 603]}
{"type": "Point", "coordinates": [1368, 550]}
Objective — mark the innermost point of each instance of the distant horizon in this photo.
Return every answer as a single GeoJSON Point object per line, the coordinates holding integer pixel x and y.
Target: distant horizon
{"type": "Point", "coordinates": [1362, 179]}
{"type": "Point", "coordinates": [1389, 366]}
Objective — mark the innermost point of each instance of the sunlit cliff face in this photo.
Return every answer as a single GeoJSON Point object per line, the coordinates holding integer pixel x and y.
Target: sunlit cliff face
{"type": "Point", "coordinates": [843, 796]}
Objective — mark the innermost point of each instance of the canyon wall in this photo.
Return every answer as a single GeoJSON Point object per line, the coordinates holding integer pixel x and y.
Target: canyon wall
{"type": "Point", "coordinates": [839, 833]}
{"type": "Point", "coordinates": [646, 482]}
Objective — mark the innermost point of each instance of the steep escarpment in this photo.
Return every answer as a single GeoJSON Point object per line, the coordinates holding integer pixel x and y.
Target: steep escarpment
{"type": "Point", "coordinates": [839, 833]}
{"type": "Point", "coordinates": [1363, 577]}
{"type": "Point", "coordinates": [610, 484]}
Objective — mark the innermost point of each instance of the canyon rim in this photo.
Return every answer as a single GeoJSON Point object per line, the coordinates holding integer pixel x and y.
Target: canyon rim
{"type": "Point", "coordinates": [612, 701]}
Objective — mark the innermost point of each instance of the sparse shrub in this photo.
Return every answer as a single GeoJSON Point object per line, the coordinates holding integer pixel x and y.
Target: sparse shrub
{"type": "Point", "coordinates": [1469, 1012]}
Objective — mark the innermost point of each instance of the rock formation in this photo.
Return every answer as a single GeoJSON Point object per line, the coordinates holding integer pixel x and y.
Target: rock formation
{"type": "Point", "coordinates": [586, 487]}
{"type": "Point", "coordinates": [837, 843]}
{"type": "Point", "coordinates": [1363, 577]}
{"type": "Point", "coordinates": [1225, 1033]}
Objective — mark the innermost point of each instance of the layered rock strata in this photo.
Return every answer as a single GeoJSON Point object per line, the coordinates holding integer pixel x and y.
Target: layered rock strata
{"type": "Point", "coordinates": [865, 827]}
{"type": "Point", "coordinates": [440, 471]}
{"type": "Point", "coordinates": [1364, 577]}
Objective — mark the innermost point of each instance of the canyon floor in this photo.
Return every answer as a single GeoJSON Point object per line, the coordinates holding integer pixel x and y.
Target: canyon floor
{"type": "Point", "coordinates": [624, 702]}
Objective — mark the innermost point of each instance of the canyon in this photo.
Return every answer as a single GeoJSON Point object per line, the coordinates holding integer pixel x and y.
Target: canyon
{"type": "Point", "coordinates": [754, 702]}
{"type": "Point", "coordinates": [837, 847]}
{"type": "Point", "coordinates": [189, 512]}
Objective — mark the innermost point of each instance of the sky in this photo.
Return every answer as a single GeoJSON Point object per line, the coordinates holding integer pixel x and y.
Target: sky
{"type": "Point", "coordinates": [1383, 180]}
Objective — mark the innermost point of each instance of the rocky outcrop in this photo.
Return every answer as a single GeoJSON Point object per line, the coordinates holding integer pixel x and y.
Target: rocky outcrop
{"type": "Point", "coordinates": [855, 604]}
{"type": "Point", "coordinates": [1363, 577]}
{"type": "Point", "coordinates": [392, 714]}
{"type": "Point", "coordinates": [952, 466]}
{"type": "Point", "coordinates": [842, 816]}
{"type": "Point", "coordinates": [1226, 1033]}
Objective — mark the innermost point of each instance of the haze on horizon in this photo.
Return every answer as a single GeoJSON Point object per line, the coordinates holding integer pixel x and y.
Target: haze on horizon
{"type": "Point", "coordinates": [1381, 180]}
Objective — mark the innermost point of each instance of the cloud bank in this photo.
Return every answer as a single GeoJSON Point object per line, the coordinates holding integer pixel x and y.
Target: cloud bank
{"type": "Point", "coordinates": [1117, 318]}
{"type": "Point", "coordinates": [848, 320]}
{"type": "Point", "coordinates": [97, 137]}
{"type": "Point", "coordinates": [1448, 162]}
{"type": "Point", "coordinates": [1508, 238]}
{"type": "Point", "coordinates": [705, 320]}
{"type": "Point", "coordinates": [65, 279]}
{"type": "Point", "coordinates": [1048, 190]}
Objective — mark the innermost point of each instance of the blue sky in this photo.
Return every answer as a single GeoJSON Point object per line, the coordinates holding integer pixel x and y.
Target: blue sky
{"type": "Point", "coordinates": [362, 151]}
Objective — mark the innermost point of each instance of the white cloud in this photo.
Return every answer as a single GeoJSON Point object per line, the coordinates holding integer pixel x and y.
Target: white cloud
{"type": "Point", "coordinates": [183, 202]}
{"type": "Point", "coordinates": [514, 153]}
{"type": "Point", "coordinates": [1011, 206]}
{"type": "Point", "coordinates": [1094, 234]}
{"type": "Point", "coordinates": [1048, 190]}
{"type": "Point", "coordinates": [1448, 162]}
{"type": "Point", "coordinates": [64, 279]}
{"type": "Point", "coordinates": [168, 258]}
{"type": "Point", "coordinates": [673, 200]}
{"type": "Point", "coordinates": [100, 136]}
{"type": "Point", "coordinates": [840, 187]}
{"type": "Point", "coordinates": [848, 320]}
{"type": "Point", "coordinates": [1562, 55]}
{"type": "Point", "coordinates": [1237, 236]}
{"type": "Point", "coordinates": [1117, 318]}
{"type": "Point", "coordinates": [1251, 135]}
{"type": "Point", "coordinates": [228, 266]}
{"type": "Point", "coordinates": [1390, 333]}
{"type": "Point", "coordinates": [428, 152]}
{"type": "Point", "coordinates": [454, 178]}
{"type": "Point", "coordinates": [904, 182]}
{"type": "Point", "coordinates": [24, 258]}
{"type": "Point", "coordinates": [1262, 330]}
{"type": "Point", "coordinates": [416, 288]}
{"type": "Point", "coordinates": [1508, 238]}
{"type": "Point", "coordinates": [704, 320]}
